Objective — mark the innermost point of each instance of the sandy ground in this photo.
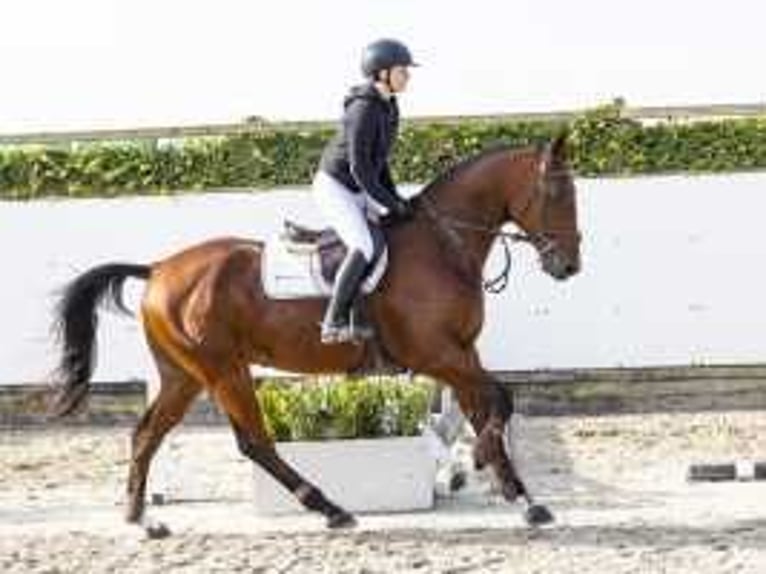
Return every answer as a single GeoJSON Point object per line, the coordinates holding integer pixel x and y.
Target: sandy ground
{"type": "Point", "coordinates": [617, 485]}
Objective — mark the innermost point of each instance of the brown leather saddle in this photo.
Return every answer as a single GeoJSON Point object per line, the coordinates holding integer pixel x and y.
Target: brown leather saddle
{"type": "Point", "coordinates": [325, 242]}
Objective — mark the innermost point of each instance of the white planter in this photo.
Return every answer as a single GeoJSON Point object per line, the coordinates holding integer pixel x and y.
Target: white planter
{"type": "Point", "coordinates": [360, 475]}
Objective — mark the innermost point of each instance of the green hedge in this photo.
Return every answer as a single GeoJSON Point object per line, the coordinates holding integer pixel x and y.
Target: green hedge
{"type": "Point", "coordinates": [348, 408]}
{"type": "Point", "coordinates": [605, 142]}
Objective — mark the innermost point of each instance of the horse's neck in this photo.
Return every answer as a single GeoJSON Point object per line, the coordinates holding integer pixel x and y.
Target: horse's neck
{"type": "Point", "coordinates": [476, 197]}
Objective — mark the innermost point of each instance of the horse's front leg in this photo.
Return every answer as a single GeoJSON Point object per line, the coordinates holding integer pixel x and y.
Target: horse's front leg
{"type": "Point", "coordinates": [488, 406]}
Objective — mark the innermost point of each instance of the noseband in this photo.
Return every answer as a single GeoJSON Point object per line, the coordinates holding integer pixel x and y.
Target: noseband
{"type": "Point", "coordinates": [543, 240]}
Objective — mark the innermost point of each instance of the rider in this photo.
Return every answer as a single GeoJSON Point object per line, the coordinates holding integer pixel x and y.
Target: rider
{"type": "Point", "coordinates": [353, 185]}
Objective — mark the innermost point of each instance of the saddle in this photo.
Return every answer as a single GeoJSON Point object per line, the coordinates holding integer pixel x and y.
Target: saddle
{"type": "Point", "coordinates": [302, 235]}
{"type": "Point", "coordinates": [325, 242]}
{"type": "Point", "coordinates": [303, 262]}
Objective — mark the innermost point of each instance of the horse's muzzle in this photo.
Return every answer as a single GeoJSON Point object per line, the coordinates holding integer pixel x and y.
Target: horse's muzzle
{"type": "Point", "coordinates": [559, 265]}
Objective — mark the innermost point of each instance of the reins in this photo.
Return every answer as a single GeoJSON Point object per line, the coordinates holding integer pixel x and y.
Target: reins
{"type": "Point", "coordinates": [541, 239]}
{"type": "Point", "coordinates": [448, 223]}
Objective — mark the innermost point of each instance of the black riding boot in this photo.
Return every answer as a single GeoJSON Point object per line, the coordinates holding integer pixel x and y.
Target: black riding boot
{"type": "Point", "coordinates": [337, 326]}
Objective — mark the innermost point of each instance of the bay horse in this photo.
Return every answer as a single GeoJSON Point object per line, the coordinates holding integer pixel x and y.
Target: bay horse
{"type": "Point", "coordinates": [206, 318]}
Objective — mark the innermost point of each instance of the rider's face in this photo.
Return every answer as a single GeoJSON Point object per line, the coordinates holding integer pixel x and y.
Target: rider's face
{"type": "Point", "coordinates": [399, 76]}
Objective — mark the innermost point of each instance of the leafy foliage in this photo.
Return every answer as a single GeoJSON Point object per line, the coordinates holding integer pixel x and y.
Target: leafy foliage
{"type": "Point", "coordinates": [605, 142]}
{"type": "Point", "coordinates": [350, 408]}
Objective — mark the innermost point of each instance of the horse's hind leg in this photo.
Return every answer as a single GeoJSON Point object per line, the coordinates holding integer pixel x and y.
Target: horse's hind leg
{"type": "Point", "coordinates": [177, 391]}
{"type": "Point", "coordinates": [236, 396]}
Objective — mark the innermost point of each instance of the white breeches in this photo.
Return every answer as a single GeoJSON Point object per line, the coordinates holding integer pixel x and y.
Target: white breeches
{"type": "Point", "coordinates": [347, 212]}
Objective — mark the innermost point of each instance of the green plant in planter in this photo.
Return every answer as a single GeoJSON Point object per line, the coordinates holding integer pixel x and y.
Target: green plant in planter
{"type": "Point", "coordinates": [347, 408]}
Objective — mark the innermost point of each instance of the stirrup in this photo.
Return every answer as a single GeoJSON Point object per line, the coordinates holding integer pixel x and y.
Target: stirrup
{"type": "Point", "coordinates": [334, 334]}
{"type": "Point", "coordinates": [347, 333]}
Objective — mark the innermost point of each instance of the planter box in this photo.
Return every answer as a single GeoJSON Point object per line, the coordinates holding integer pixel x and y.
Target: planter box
{"type": "Point", "coordinates": [360, 475]}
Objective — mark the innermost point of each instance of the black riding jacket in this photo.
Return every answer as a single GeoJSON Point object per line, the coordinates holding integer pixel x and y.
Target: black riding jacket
{"type": "Point", "coordinates": [357, 156]}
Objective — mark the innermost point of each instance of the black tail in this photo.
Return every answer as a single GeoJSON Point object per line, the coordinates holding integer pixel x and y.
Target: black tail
{"type": "Point", "coordinates": [76, 322]}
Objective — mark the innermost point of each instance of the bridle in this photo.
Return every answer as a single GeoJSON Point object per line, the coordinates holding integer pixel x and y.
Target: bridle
{"type": "Point", "coordinates": [544, 240]}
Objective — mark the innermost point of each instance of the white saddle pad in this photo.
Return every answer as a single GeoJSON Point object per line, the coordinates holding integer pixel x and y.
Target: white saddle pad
{"type": "Point", "coordinates": [295, 273]}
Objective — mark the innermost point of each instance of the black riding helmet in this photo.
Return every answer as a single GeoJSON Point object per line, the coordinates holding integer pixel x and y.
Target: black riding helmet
{"type": "Point", "coordinates": [384, 54]}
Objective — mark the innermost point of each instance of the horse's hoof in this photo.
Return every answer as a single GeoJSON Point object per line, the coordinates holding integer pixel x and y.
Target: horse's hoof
{"type": "Point", "coordinates": [156, 531]}
{"type": "Point", "coordinates": [538, 515]}
{"type": "Point", "coordinates": [341, 519]}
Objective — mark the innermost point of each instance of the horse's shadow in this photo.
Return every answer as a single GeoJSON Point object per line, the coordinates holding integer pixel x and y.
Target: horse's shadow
{"type": "Point", "coordinates": [540, 451]}
{"type": "Point", "coordinates": [749, 534]}
{"type": "Point", "coordinates": [553, 472]}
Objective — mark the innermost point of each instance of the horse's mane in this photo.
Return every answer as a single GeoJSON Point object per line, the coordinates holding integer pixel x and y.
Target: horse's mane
{"type": "Point", "coordinates": [453, 172]}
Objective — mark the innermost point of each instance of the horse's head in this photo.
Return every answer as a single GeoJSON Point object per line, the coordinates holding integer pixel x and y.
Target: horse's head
{"type": "Point", "coordinates": [547, 211]}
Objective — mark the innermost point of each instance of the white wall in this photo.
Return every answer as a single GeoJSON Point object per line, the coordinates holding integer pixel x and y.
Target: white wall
{"type": "Point", "coordinates": [673, 274]}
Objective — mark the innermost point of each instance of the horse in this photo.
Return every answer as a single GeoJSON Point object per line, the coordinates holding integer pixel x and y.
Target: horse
{"type": "Point", "coordinates": [207, 320]}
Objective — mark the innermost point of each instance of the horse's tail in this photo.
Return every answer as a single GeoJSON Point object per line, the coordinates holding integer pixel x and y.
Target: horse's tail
{"type": "Point", "coordinates": [76, 322]}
